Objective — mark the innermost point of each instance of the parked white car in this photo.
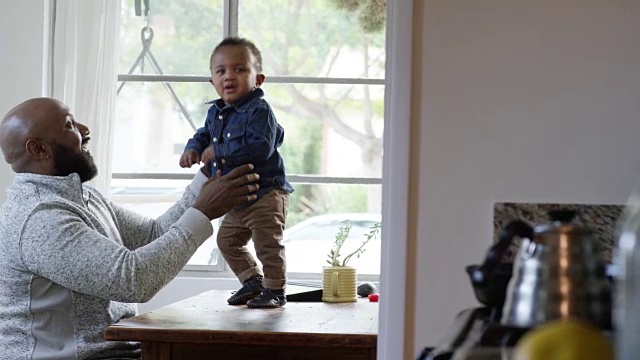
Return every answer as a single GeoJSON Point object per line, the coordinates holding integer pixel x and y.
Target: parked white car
{"type": "Point", "coordinates": [308, 243]}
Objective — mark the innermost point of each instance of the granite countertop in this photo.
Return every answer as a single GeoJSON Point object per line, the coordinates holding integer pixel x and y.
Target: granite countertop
{"type": "Point", "coordinates": [602, 219]}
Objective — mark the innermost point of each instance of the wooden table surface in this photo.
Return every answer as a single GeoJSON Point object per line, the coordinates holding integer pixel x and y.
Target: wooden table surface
{"type": "Point", "coordinates": [347, 328]}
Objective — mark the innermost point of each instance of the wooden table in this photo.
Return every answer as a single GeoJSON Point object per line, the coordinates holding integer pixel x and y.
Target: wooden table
{"type": "Point", "coordinates": [206, 327]}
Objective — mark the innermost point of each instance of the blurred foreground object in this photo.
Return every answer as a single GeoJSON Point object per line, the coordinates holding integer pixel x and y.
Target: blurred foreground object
{"type": "Point", "coordinates": [564, 340]}
{"type": "Point", "coordinates": [626, 304]}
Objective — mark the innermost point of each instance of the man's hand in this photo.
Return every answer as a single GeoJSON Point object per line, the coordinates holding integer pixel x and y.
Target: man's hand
{"type": "Point", "coordinates": [221, 194]}
{"type": "Point", "coordinates": [189, 158]}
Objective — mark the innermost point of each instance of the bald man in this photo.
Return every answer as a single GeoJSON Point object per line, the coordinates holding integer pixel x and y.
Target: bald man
{"type": "Point", "coordinates": [71, 261]}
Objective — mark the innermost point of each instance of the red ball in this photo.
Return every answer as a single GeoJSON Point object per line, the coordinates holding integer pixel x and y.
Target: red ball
{"type": "Point", "coordinates": [374, 297]}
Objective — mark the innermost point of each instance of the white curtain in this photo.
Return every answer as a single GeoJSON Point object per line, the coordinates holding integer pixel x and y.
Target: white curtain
{"type": "Point", "coordinates": [85, 60]}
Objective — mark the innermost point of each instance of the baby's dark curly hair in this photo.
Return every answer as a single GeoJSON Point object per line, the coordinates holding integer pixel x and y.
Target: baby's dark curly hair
{"type": "Point", "coordinates": [237, 41]}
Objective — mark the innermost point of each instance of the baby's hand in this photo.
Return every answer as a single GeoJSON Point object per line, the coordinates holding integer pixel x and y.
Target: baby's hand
{"type": "Point", "coordinates": [189, 158]}
{"type": "Point", "coordinates": [208, 155]}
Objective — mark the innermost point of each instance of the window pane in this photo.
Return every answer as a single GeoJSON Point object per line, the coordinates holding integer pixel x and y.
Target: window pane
{"type": "Point", "coordinates": [151, 131]}
{"type": "Point", "coordinates": [317, 199]}
{"type": "Point", "coordinates": [183, 35]}
{"type": "Point", "coordinates": [316, 214]}
{"type": "Point", "coordinates": [331, 130]}
{"type": "Point", "coordinates": [343, 139]}
{"type": "Point", "coordinates": [315, 37]}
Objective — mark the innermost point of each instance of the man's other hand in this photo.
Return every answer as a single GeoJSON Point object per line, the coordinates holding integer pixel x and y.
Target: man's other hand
{"type": "Point", "coordinates": [219, 195]}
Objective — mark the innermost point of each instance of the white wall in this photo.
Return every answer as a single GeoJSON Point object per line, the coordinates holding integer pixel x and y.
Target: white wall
{"type": "Point", "coordinates": [22, 53]}
{"type": "Point", "coordinates": [534, 101]}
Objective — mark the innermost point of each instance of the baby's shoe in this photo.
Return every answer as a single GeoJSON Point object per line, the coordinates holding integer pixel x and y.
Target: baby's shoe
{"type": "Point", "coordinates": [268, 298]}
{"type": "Point", "coordinates": [249, 290]}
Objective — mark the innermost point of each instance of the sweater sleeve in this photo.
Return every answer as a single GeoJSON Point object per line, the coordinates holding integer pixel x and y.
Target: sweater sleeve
{"type": "Point", "coordinates": [63, 244]}
{"type": "Point", "coordinates": [58, 244]}
{"type": "Point", "coordinates": [137, 230]}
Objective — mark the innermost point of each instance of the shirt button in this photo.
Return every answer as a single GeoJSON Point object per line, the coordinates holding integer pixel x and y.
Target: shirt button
{"type": "Point", "coordinates": [222, 161]}
{"type": "Point", "coordinates": [220, 117]}
{"type": "Point", "coordinates": [214, 164]}
{"type": "Point", "coordinates": [228, 135]}
{"type": "Point", "coordinates": [214, 139]}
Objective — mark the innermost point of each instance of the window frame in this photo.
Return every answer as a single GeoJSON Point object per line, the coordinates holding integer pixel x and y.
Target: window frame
{"type": "Point", "coordinates": [230, 28]}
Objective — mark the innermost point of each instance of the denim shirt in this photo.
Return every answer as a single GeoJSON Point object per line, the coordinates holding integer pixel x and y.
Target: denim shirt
{"type": "Point", "coordinates": [242, 133]}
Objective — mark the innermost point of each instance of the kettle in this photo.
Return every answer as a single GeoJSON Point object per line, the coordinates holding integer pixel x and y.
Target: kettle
{"type": "Point", "coordinates": [490, 279]}
{"type": "Point", "coordinates": [558, 273]}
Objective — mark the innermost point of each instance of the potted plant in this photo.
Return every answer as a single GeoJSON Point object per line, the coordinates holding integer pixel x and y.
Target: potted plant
{"type": "Point", "coordinates": [339, 279]}
{"type": "Point", "coordinates": [341, 238]}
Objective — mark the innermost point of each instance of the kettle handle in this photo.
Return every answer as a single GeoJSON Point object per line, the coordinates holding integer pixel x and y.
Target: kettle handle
{"type": "Point", "coordinates": [562, 215]}
{"type": "Point", "coordinates": [494, 254]}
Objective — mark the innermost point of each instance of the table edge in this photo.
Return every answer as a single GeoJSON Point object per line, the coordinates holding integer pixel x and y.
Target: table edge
{"type": "Point", "coordinates": [123, 333]}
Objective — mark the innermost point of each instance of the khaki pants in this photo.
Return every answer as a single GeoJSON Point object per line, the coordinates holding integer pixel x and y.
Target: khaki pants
{"type": "Point", "coordinates": [264, 222]}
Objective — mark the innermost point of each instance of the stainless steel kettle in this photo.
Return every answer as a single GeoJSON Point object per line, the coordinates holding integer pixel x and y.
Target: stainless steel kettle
{"type": "Point", "coordinates": [558, 273]}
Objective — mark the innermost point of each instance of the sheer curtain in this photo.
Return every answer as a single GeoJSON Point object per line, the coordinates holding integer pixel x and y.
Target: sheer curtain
{"type": "Point", "coordinates": [84, 67]}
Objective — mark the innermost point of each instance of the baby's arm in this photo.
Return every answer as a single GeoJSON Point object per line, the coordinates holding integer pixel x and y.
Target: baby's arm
{"type": "Point", "coordinates": [208, 156]}
{"type": "Point", "coordinates": [195, 146]}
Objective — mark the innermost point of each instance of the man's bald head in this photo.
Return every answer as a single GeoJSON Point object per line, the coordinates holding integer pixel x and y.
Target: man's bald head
{"type": "Point", "coordinates": [28, 120]}
{"type": "Point", "coordinates": [41, 136]}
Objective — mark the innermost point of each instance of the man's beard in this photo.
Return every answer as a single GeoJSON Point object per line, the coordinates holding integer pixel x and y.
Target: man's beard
{"type": "Point", "coordinates": [67, 161]}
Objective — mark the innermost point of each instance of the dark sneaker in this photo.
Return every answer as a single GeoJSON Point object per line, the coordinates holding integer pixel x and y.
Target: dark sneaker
{"type": "Point", "coordinates": [268, 298]}
{"type": "Point", "coordinates": [250, 289]}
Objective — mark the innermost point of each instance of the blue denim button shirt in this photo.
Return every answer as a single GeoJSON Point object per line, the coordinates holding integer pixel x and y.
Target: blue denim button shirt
{"type": "Point", "coordinates": [242, 133]}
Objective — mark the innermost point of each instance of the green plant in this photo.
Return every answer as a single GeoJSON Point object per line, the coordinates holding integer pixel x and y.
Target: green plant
{"type": "Point", "coordinates": [341, 238]}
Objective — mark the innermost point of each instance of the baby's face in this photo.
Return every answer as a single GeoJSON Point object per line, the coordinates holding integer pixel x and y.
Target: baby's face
{"type": "Point", "coordinates": [233, 73]}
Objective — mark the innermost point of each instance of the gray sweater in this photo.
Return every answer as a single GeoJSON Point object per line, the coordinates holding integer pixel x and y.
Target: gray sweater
{"type": "Point", "coordinates": [71, 261]}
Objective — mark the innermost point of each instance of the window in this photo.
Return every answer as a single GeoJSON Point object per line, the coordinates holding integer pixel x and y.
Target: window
{"type": "Point", "coordinates": [324, 67]}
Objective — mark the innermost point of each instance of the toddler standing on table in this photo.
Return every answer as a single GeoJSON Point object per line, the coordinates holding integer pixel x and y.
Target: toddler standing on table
{"type": "Point", "coordinates": [241, 128]}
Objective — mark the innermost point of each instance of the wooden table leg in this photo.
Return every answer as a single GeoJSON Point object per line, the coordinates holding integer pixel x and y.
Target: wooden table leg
{"type": "Point", "coordinates": [156, 351]}
{"type": "Point", "coordinates": [184, 351]}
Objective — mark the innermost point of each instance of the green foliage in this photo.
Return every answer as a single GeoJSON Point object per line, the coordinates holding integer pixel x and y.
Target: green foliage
{"type": "Point", "coordinates": [371, 13]}
{"type": "Point", "coordinates": [301, 151]}
{"type": "Point", "coordinates": [346, 199]}
{"type": "Point", "coordinates": [342, 236]}
{"type": "Point", "coordinates": [349, 5]}
{"type": "Point", "coordinates": [309, 200]}
{"type": "Point", "coordinates": [302, 144]}
{"type": "Point", "coordinates": [185, 33]}
{"type": "Point", "coordinates": [372, 17]}
{"type": "Point", "coordinates": [314, 31]}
